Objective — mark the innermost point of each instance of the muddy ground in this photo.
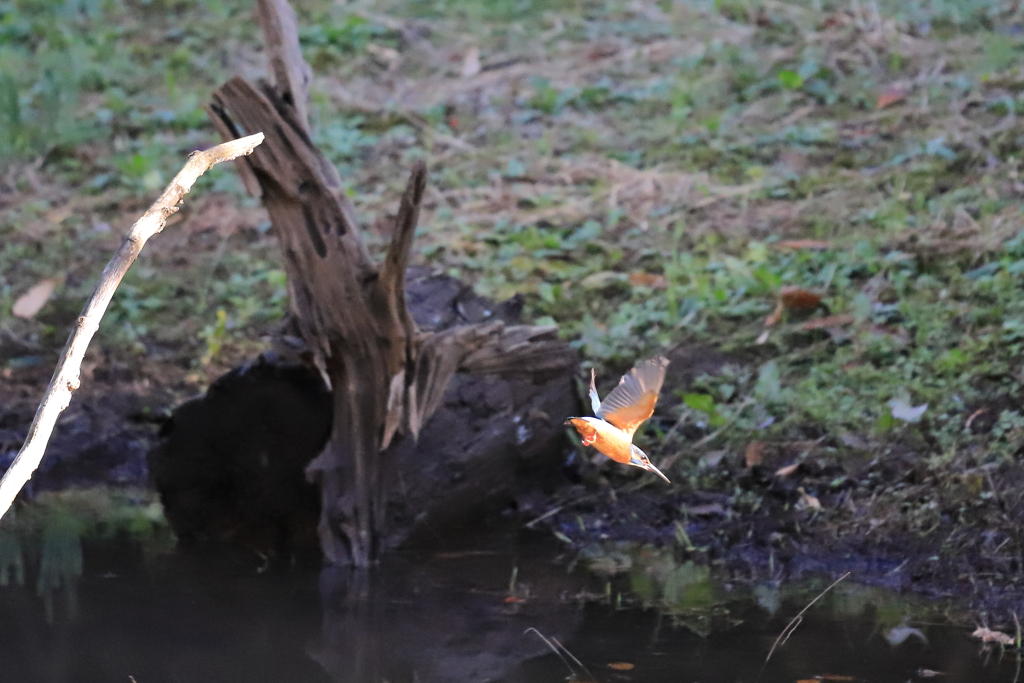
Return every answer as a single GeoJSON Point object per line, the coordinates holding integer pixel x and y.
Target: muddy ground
{"type": "Point", "coordinates": [751, 526]}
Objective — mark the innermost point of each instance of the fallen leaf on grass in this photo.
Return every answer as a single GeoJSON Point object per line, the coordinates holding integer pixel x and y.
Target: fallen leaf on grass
{"type": "Point", "coordinates": [803, 244]}
{"type": "Point", "coordinates": [891, 96]}
{"type": "Point", "coordinates": [987, 635]}
{"type": "Point", "coordinates": [621, 666]}
{"type": "Point", "coordinates": [795, 299]}
{"type": "Point", "coordinates": [641, 279]}
{"type": "Point", "coordinates": [784, 472]}
{"type": "Point", "coordinates": [837, 320]}
{"type": "Point", "coordinates": [834, 21]}
{"type": "Point", "coordinates": [60, 214]}
{"type": "Point", "coordinates": [798, 299]}
{"type": "Point", "coordinates": [32, 301]}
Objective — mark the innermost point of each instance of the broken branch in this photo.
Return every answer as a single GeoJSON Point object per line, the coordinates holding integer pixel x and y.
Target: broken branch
{"type": "Point", "coordinates": [66, 378]}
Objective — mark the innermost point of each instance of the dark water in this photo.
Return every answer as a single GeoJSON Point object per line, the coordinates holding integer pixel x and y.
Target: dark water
{"type": "Point", "coordinates": [464, 616]}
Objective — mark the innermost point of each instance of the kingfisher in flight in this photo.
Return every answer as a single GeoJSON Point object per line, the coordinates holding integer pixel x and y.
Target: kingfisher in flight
{"type": "Point", "coordinates": [629, 405]}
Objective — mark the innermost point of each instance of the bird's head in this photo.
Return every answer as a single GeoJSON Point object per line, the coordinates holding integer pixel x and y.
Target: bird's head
{"type": "Point", "coordinates": [637, 458]}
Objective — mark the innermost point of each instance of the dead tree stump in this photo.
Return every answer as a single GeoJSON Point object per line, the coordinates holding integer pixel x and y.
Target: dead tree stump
{"type": "Point", "coordinates": [386, 376]}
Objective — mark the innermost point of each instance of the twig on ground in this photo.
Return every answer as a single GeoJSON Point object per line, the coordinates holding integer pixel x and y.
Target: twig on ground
{"type": "Point", "coordinates": [66, 378]}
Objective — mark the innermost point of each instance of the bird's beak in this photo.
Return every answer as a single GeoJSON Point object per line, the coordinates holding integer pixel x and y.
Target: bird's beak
{"type": "Point", "coordinates": [651, 468]}
{"type": "Point", "coordinates": [640, 459]}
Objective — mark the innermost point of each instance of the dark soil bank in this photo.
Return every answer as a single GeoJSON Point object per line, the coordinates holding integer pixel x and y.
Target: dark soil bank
{"type": "Point", "coordinates": [230, 468]}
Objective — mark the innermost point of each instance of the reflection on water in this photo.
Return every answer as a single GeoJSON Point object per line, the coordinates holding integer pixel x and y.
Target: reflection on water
{"type": "Point", "coordinates": [60, 563]}
{"type": "Point", "coordinates": [823, 647]}
{"type": "Point", "coordinates": [456, 616]}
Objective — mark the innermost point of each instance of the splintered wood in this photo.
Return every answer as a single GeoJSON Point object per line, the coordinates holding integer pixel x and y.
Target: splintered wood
{"type": "Point", "coordinates": [387, 376]}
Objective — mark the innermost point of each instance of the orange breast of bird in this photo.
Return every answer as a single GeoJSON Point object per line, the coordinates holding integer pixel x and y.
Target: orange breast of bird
{"type": "Point", "coordinates": [605, 437]}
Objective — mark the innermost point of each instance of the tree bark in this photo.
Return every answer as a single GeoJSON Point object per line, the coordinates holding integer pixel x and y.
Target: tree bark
{"type": "Point", "coordinates": [386, 377]}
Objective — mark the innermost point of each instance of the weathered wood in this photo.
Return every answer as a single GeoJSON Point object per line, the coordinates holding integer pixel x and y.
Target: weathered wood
{"type": "Point", "coordinates": [386, 377]}
{"type": "Point", "coordinates": [289, 68]}
{"type": "Point", "coordinates": [337, 306]}
{"type": "Point", "coordinates": [230, 466]}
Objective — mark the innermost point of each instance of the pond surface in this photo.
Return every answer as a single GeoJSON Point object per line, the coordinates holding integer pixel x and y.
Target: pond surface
{"type": "Point", "coordinates": [469, 615]}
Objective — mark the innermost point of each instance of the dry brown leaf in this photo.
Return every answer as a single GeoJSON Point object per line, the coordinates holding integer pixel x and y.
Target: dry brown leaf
{"type": "Point", "coordinates": [60, 214]}
{"type": "Point", "coordinates": [798, 299]}
{"type": "Point", "coordinates": [837, 320]}
{"type": "Point", "coordinates": [834, 21]}
{"type": "Point", "coordinates": [32, 301]}
{"type": "Point", "coordinates": [891, 96]}
{"type": "Point", "coordinates": [803, 244]}
{"type": "Point", "coordinates": [987, 635]}
{"type": "Point", "coordinates": [621, 666]}
{"type": "Point", "coordinates": [754, 453]}
{"type": "Point", "coordinates": [641, 279]}
{"type": "Point", "coordinates": [784, 472]}
{"type": "Point", "coordinates": [807, 501]}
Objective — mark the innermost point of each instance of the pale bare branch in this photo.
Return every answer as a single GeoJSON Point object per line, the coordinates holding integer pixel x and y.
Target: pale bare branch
{"type": "Point", "coordinates": [66, 378]}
